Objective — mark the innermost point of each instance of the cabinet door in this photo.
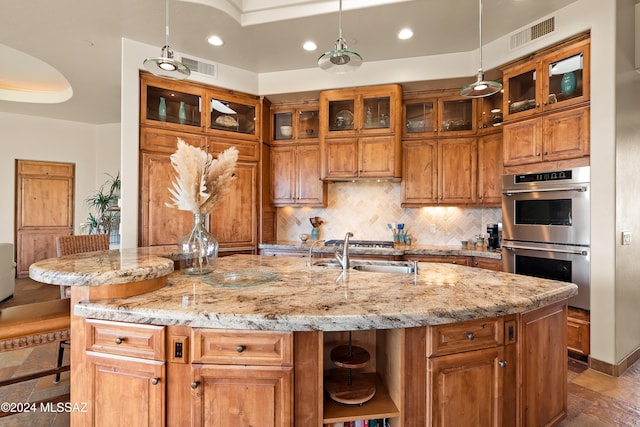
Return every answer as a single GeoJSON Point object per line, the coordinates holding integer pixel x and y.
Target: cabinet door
{"type": "Point", "coordinates": [126, 391]}
{"type": "Point", "coordinates": [466, 388]}
{"type": "Point", "coordinates": [242, 396]}
{"type": "Point", "coordinates": [566, 134]}
{"type": "Point", "coordinates": [341, 158]}
{"type": "Point", "coordinates": [234, 221]}
{"type": "Point", "coordinates": [543, 368]}
{"type": "Point", "coordinates": [170, 104]}
{"type": "Point", "coordinates": [522, 142]}
{"type": "Point", "coordinates": [310, 189]}
{"type": "Point", "coordinates": [487, 263]}
{"type": "Point", "coordinates": [457, 116]}
{"type": "Point", "coordinates": [420, 173]}
{"type": "Point", "coordinates": [566, 76]}
{"type": "Point", "coordinates": [377, 157]}
{"type": "Point", "coordinates": [490, 170]}
{"type": "Point", "coordinates": [283, 175]}
{"type": "Point", "coordinates": [166, 141]}
{"type": "Point", "coordinates": [457, 171]}
{"type": "Point", "coordinates": [158, 223]}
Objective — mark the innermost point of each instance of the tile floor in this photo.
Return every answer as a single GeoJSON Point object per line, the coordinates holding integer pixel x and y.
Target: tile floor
{"type": "Point", "coordinates": [594, 399]}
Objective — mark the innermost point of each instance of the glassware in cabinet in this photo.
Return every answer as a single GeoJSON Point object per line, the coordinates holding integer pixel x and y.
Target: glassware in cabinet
{"type": "Point", "coordinates": [341, 115]}
{"type": "Point", "coordinates": [376, 113]}
{"type": "Point", "coordinates": [283, 126]}
{"type": "Point", "coordinates": [521, 90]}
{"type": "Point", "coordinates": [567, 76]}
{"type": "Point", "coordinates": [490, 111]}
{"type": "Point", "coordinates": [232, 116]}
{"type": "Point", "coordinates": [420, 117]}
{"type": "Point", "coordinates": [309, 124]}
{"type": "Point", "coordinates": [171, 106]}
{"type": "Point", "coordinates": [456, 115]}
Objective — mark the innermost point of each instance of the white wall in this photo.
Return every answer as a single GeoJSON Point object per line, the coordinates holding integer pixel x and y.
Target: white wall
{"type": "Point", "coordinates": [32, 138]}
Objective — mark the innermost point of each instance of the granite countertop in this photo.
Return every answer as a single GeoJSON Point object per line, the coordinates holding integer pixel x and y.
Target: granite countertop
{"type": "Point", "coordinates": [303, 298]}
{"type": "Point", "coordinates": [400, 250]}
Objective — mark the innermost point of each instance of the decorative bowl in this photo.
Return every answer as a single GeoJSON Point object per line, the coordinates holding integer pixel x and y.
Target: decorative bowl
{"type": "Point", "coordinates": [285, 131]}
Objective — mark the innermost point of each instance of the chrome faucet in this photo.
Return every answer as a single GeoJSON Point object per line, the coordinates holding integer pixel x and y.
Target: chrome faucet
{"type": "Point", "coordinates": [344, 258]}
{"type": "Point", "coordinates": [309, 263]}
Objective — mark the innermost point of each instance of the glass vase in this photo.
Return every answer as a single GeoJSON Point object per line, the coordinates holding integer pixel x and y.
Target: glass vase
{"type": "Point", "coordinates": [182, 113]}
{"type": "Point", "coordinates": [198, 249]}
{"type": "Point", "coordinates": [162, 110]}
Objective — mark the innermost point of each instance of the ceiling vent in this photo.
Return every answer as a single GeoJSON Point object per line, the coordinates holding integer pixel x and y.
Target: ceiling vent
{"type": "Point", "coordinates": [208, 68]}
{"type": "Point", "coordinates": [534, 32]}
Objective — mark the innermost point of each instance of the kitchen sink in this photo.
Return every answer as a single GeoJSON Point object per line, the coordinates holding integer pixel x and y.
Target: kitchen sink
{"type": "Point", "coordinates": [403, 267]}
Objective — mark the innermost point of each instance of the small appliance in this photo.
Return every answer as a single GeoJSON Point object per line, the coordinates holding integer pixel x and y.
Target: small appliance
{"type": "Point", "coordinates": [494, 231]}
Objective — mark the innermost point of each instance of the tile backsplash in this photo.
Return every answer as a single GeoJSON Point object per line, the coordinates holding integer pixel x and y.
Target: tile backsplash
{"type": "Point", "coordinates": [366, 208]}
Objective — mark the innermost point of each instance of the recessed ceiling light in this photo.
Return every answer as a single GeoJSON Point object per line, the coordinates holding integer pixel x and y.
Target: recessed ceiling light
{"type": "Point", "coordinates": [405, 34]}
{"type": "Point", "coordinates": [215, 41]}
{"type": "Point", "coordinates": [310, 46]}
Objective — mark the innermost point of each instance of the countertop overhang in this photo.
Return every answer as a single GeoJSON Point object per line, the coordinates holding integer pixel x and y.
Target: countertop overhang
{"type": "Point", "coordinates": [303, 298]}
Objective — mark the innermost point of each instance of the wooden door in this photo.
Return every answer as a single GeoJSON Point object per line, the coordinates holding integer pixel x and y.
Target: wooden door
{"type": "Point", "coordinates": [522, 142]}
{"type": "Point", "coordinates": [341, 158]}
{"type": "Point", "coordinates": [159, 224]}
{"type": "Point", "coordinates": [377, 157]}
{"type": "Point", "coordinates": [283, 175]}
{"type": "Point", "coordinates": [466, 389]}
{"type": "Point", "coordinates": [126, 391]}
{"type": "Point", "coordinates": [420, 174]}
{"type": "Point", "coordinates": [309, 187]}
{"type": "Point", "coordinates": [44, 209]}
{"type": "Point", "coordinates": [457, 170]}
{"type": "Point", "coordinates": [490, 169]}
{"type": "Point", "coordinates": [566, 134]}
{"type": "Point", "coordinates": [229, 395]}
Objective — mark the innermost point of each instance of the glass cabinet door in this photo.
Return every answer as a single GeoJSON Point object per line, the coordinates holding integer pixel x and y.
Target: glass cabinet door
{"type": "Point", "coordinates": [171, 106]}
{"type": "Point", "coordinates": [456, 115]}
{"type": "Point", "coordinates": [565, 79]}
{"type": "Point", "coordinates": [309, 124]}
{"type": "Point", "coordinates": [341, 115]}
{"type": "Point", "coordinates": [521, 89]}
{"type": "Point", "coordinates": [376, 112]}
{"type": "Point", "coordinates": [283, 126]}
{"type": "Point", "coordinates": [419, 117]}
{"type": "Point", "coordinates": [233, 116]}
{"type": "Point", "coordinates": [490, 111]}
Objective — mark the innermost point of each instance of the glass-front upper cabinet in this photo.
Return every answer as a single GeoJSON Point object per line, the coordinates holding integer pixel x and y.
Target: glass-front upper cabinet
{"type": "Point", "coordinates": [376, 112]}
{"type": "Point", "coordinates": [234, 115]}
{"type": "Point", "coordinates": [170, 104]}
{"type": "Point", "coordinates": [490, 111]}
{"type": "Point", "coordinates": [341, 115]}
{"type": "Point", "coordinates": [420, 118]}
{"type": "Point", "coordinates": [552, 80]}
{"type": "Point", "coordinates": [295, 123]}
{"type": "Point", "coordinates": [456, 115]}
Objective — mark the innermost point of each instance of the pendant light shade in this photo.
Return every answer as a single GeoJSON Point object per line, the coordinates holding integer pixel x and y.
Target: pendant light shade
{"type": "Point", "coordinates": [481, 87]}
{"type": "Point", "coordinates": [340, 60]}
{"type": "Point", "coordinates": [165, 65]}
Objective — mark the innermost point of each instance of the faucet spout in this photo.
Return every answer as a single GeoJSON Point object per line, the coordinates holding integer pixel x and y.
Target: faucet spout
{"type": "Point", "coordinates": [310, 258]}
{"type": "Point", "coordinates": [343, 259]}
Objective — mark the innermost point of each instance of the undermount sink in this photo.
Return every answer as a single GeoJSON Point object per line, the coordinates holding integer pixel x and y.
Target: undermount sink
{"type": "Point", "coordinates": [403, 267]}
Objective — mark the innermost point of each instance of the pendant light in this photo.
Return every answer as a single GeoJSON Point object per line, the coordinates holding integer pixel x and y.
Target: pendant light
{"type": "Point", "coordinates": [481, 87]}
{"type": "Point", "coordinates": [165, 65]}
{"type": "Point", "coordinates": [340, 60]}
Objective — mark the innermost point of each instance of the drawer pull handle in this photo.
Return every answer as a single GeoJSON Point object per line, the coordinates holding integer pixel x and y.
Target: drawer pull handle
{"type": "Point", "coordinates": [195, 384]}
{"type": "Point", "coordinates": [470, 336]}
{"type": "Point", "coordinates": [241, 348]}
{"type": "Point", "coordinates": [155, 381]}
{"type": "Point", "coordinates": [502, 363]}
{"type": "Point", "coordinates": [120, 340]}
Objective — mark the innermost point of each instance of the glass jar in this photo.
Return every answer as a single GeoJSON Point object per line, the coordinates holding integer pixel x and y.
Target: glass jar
{"type": "Point", "coordinates": [198, 249]}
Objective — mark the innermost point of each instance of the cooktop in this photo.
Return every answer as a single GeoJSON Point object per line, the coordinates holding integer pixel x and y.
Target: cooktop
{"type": "Point", "coordinates": [362, 243]}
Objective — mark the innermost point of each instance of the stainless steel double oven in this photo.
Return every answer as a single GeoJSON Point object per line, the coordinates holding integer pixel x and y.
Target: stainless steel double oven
{"type": "Point", "coordinates": [546, 227]}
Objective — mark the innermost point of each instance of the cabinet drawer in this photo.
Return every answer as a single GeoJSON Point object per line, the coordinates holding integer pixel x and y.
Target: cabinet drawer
{"type": "Point", "coordinates": [126, 339]}
{"type": "Point", "coordinates": [464, 336]}
{"type": "Point", "coordinates": [242, 347]}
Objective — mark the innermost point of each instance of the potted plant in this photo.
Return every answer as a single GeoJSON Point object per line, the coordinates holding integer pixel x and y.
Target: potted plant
{"type": "Point", "coordinates": [105, 205]}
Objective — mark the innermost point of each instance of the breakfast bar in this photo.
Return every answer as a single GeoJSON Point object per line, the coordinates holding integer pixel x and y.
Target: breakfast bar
{"type": "Point", "coordinates": [250, 344]}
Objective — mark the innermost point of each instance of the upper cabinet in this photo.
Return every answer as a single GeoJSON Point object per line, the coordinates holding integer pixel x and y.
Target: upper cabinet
{"type": "Point", "coordinates": [299, 123]}
{"type": "Point", "coordinates": [360, 131]}
{"type": "Point", "coordinates": [233, 115]}
{"type": "Point", "coordinates": [553, 79]}
{"type": "Point", "coordinates": [171, 105]}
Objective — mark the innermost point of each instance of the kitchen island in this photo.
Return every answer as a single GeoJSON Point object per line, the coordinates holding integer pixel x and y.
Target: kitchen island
{"type": "Point", "coordinates": [186, 350]}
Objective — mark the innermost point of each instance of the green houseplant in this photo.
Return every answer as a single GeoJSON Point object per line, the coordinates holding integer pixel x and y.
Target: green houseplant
{"type": "Point", "coordinates": [104, 203]}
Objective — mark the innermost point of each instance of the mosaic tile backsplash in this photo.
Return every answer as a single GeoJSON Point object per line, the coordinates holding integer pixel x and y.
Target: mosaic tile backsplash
{"type": "Point", "coordinates": [366, 208]}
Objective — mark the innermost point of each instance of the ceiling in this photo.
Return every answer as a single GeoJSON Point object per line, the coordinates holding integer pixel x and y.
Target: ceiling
{"type": "Point", "coordinates": [82, 39]}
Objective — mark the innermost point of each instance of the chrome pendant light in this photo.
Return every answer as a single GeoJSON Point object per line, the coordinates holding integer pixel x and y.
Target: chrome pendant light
{"type": "Point", "coordinates": [481, 87]}
{"type": "Point", "coordinates": [165, 65]}
{"type": "Point", "coordinates": [340, 60]}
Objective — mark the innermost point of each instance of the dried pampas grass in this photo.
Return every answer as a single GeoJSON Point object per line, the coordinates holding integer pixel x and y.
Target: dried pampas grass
{"type": "Point", "coordinates": [201, 181]}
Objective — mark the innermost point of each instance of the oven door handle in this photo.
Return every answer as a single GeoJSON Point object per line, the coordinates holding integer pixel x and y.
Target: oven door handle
{"type": "Point", "coordinates": [533, 248]}
{"type": "Point", "coordinates": [579, 189]}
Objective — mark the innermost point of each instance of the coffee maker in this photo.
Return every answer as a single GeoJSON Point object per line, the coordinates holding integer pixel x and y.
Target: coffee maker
{"type": "Point", "coordinates": [495, 233]}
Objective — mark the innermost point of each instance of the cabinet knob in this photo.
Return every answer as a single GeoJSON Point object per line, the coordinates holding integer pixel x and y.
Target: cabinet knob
{"type": "Point", "coordinates": [502, 363]}
{"type": "Point", "coordinates": [538, 154]}
{"type": "Point", "coordinates": [454, 262]}
{"type": "Point", "coordinates": [120, 340]}
{"type": "Point", "coordinates": [546, 153]}
{"type": "Point", "coordinates": [195, 384]}
{"type": "Point", "coordinates": [470, 336]}
{"type": "Point", "coordinates": [155, 381]}
{"type": "Point", "coordinates": [241, 348]}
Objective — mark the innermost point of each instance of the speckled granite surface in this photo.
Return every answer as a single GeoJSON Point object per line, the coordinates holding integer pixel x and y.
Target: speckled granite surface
{"type": "Point", "coordinates": [397, 251]}
{"type": "Point", "coordinates": [305, 298]}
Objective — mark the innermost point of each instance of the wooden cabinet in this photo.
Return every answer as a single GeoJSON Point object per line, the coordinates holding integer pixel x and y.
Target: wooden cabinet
{"type": "Point", "coordinates": [447, 259]}
{"type": "Point", "coordinates": [295, 176]}
{"type": "Point", "coordinates": [242, 378]}
{"type": "Point", "coordinates": [233, 115]}
{"type": "Point", "coordinates": [125, 365]}
{"type": "Point", "coordinates": [557, 136]}
{"type": "Point", "coordinates": [360, 133]}
{"type": "Point", "coordinates": [579, 332]}
{"type": "Point", "coordinates": [487, 263]}
{"type": "Point", "coordinates": [171, 104]}
{"type": "Point", "coordinates": [299, 123]}
{"type": "Point", "coordinates": [490, 170]}
{"type": "Point", "coordinates": [552, 79]}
